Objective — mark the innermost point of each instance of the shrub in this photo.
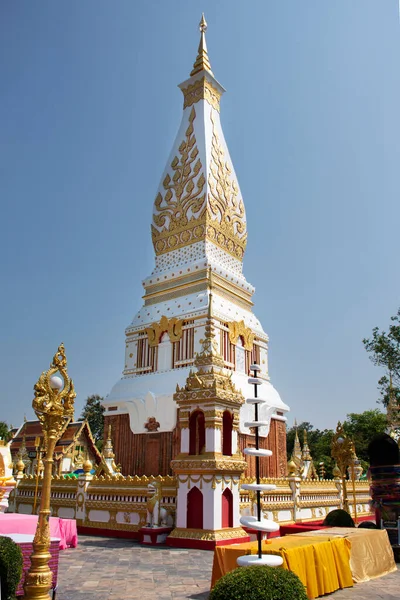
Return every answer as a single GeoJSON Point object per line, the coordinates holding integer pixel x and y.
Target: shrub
{"type": "Point", "coordinates": [338, 518]}
{"type": "Point", "coordinates": [368, 525]}
{"type": "Point", "coordinates": [10, 567]}
{"type": "Point", "coordinates": [259, 583]}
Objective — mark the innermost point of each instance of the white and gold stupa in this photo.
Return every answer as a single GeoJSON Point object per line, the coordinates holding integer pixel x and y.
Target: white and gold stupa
{"type": "Point", "coordinates": [199, 234]}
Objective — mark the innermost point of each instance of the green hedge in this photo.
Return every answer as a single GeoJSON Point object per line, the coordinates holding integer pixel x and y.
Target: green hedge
{"type": "Point", "coordinates": [259, 583]}
{"type": "Point", "coordinates": [10, 567]}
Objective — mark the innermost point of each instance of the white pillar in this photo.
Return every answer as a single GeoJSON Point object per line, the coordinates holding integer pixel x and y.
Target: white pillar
{"type": "Point", "coordinates": [181, 503]}
{"type": "Point", "coordinates": [185, 440]}
{"type": "Point", "coordinates": [213, 439]}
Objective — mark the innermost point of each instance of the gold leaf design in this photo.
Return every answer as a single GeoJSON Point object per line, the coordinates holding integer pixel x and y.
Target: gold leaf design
{"type": "Point", "coordinates": [238, 328]}
{"type": "Point", "coordinates": [173, 326]}
{"type": "Point", "coordinates": [184, 214]}
{"type": "Point", "coordinates": [226, 224]}
{"type": "Point", "coordinates": [183, 206]}
{"type": "Point", "coordinates": [201, 89]}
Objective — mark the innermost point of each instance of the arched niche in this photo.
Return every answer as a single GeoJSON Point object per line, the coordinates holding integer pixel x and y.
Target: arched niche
{"type": "Point", "coordinates": [227, 508]}
{"type": "Point", "coordinates": [227, 426]}
{"type": "Point", "coordinates": [194, 519]}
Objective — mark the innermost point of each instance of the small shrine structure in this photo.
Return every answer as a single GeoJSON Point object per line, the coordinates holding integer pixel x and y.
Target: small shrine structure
{"type": "Point", "coordinates": [74, 446]}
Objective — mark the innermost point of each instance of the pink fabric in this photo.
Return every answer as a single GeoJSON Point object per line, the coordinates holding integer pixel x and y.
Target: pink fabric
{"type": "Point", "coordinates": [64, 529]}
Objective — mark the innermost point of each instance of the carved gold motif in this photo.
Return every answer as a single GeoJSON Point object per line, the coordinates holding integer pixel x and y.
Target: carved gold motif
{"type": "Point", "coordinates": [201, 89]}
{"type": "Point", "coordinates": [180, 217]}
{"type": "Point", "coordinates": [237, 329]}
{"type": "Point", "coordinates": [226, 224]}
{"type": "Point", "coordinates": [183, 215]}
{"type": "Point", "coordinates": [172, 326]}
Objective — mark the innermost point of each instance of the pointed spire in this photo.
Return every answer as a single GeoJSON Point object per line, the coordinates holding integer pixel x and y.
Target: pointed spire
{"type": "Point", "coordinates": [202, 62]}
{"type": "Point", "coordinates": [296, 448]}
{"type": "Point", "coordinates": [108, 451]}
{"type": "Point", "coordinates": [305, 455]}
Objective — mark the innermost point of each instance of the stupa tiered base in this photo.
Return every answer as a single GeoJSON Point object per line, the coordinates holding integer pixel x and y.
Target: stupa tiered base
{"type": "Point", "coordinates": [154, 536]}
{"type": "Point", "coordinates": [206, 539]}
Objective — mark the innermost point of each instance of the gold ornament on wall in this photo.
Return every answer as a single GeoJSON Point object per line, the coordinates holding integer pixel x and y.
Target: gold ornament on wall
{"type": "Point", "coordinates": [172, 326]}
{"type": "Point", "coordinates": [238, 329]}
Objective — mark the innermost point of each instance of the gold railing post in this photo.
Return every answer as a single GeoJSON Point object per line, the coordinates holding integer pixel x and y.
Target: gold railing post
{"type": "Point", "coordinates": [342, 452]}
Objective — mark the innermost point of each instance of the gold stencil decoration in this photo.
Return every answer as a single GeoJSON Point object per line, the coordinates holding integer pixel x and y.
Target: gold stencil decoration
{"type": "Point", "coordinates": [226, 222]}
{"type": "Point", "coordinates": [201, 89]}
{"type": "Point", "coordinates": [238, 328]}
{"type": "Point", "coordinates": [172, 326]}
{"type": "Point", "coordinates": [180, 216]}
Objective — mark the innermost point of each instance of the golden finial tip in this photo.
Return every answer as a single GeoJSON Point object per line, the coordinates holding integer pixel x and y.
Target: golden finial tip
{"type": "Point", "coordinates": [203, 24]}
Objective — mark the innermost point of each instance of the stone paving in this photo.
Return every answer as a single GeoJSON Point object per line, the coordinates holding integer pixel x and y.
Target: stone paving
{"type": "Point", "coordinates": [112, 569]}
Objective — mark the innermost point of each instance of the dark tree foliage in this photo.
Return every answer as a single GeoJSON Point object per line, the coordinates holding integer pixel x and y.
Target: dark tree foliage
{"type": "Point", "coordinates": [10, 567]}
{"type": "Point", "coordinates": [93, 412]}
{"type": "Point", "coordinates": [362, 428]}
{"type": "Point", "coordinates": [5, 431]}
{"type": "Point", "coordinates": [319, 443]}
{"type": "Point", "coordinates": [384, 352]}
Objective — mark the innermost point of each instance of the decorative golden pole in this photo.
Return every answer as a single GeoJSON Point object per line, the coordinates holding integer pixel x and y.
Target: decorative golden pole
{"type": "Point", "coordinates": [342, 452]}
{"type": "Point", "coordinates": [53, 404]}
{"type": "Point", "coordinates": [353, 480]}
{"type": "Point", "coordinates": [38, 461]}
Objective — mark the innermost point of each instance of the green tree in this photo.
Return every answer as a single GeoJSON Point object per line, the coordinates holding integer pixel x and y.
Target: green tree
{"type": "Point", "coordinates": [93, 412]}
{"type": "Point", "coordinates": [319, 443]}
{"type": "Point", "coordinates": [5, 432]}
{"type": "Point", "coordinates": [384, 352]}
{"type": "Point", "coordinates": [362, 428]}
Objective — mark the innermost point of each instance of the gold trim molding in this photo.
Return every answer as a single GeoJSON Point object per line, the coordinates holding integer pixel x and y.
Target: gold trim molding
{"type": "Point", "coordinates": [208, 534]}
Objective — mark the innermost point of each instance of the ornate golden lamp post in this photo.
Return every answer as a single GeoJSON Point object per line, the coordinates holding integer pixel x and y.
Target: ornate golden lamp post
{"type": "Point", "coordinates": [342, 452]}
{"type": "Point", "coordinates": [53, 402]}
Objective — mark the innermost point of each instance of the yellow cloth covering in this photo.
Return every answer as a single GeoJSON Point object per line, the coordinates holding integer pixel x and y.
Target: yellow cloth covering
{"type": "Point", "coordinates": [371, 554]}
{"type": "Point", "coordinates": [322, 565]}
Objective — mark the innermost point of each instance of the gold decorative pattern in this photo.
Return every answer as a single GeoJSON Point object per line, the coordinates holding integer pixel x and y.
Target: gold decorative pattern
{"type": "Point", "coordinates": [180, 217]}
{"type": "Point", "coordinates": [185, 215]}
{"type": "Point", "coordinates": [201, 89]}
{"type": "Point", "coordinates": [208, 534]}
{"type": "Point", "coordinates": [226, 224]}
{"type": "Point", "coordinates": [237, 329]}
{"type": "Point", "coordinates": [173, 326]}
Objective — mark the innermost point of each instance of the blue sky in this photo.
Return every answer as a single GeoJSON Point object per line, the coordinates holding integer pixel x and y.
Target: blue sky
{"type": "Point", "coordinates": [89, 109]}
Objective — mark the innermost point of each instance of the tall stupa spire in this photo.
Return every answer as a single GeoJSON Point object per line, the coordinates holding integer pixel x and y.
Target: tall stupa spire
{"type": "Point", "coordinates": [202, 62]}
{"type": "Point", "coordinates": [196, 322]}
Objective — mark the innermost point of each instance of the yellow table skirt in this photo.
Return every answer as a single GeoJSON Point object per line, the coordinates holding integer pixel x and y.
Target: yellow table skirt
{"type": "Point", "coordinates": [322, 566]}
{"type": "Point", "coordinates": [371, 554]}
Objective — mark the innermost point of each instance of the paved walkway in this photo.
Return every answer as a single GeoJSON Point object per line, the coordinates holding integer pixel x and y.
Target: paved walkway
{"type": "Point", "coordinates": [112, 569]}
